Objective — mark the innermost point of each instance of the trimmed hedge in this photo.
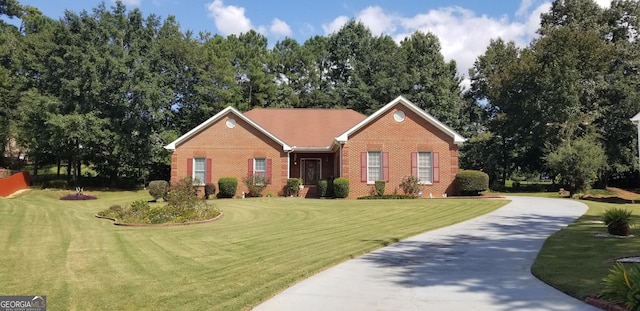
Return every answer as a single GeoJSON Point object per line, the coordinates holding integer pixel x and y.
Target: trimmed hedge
{"type": "Point", "coordinates": [158, 189]}
{"type": "Point", "coordinates": [388, 197]}
{"type": "Point", "coordinates": [341, 187]}
{"type": "Point", "coordinates": [322, 186]}
{"type": "Point", "coordinates": [470, 182]}
{"type": "Point", "coordinates": [227, 187]}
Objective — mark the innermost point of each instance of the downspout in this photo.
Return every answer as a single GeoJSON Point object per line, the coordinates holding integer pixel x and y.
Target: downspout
{"type": "Point", "coordinates": [289, 163]}
{"type": "Point", "coordinates": [341, 144]}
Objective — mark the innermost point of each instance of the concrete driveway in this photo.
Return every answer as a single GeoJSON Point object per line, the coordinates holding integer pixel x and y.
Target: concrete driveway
{"type": "Point", "coordinates": [480, 264]}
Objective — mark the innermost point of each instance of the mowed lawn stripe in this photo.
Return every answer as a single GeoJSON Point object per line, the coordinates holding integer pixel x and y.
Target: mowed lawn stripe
{"type": "Point", "coordinates": [259, 247]}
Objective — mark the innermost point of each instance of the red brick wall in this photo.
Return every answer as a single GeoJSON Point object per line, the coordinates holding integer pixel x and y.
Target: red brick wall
{"type": "Point", "coordinates": [229, 149]}
{"type": "Point", "coordinates": [400, 139]}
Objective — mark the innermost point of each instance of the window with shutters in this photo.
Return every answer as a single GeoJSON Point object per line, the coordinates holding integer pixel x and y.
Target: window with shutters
{"type": "Point", "coordinates": [260, 168]}
{"type": "Point", "coordinates": [425, 167]}
{"type": "Point", "coordinates": [199, 171]}
{"type": "Point", "coordinates": [374, 166]}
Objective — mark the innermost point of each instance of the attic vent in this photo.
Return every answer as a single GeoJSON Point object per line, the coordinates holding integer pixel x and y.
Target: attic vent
{"type": "Point", "coordinates": [231, 123]}
{"type": "Point", "coordinates": [398, 116]}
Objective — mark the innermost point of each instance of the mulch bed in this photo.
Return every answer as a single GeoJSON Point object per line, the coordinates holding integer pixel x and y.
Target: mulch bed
{"type": "Point", "coordinates": [168, 224]}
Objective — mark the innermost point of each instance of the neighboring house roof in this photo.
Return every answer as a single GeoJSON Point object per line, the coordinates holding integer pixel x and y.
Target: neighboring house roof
{"type": "Point", "coordinates": [218, 116]}
{"type": "Point", "coordinates": [457, 138]}
{"type": "Point", "coordinates": [312, 129]}
{"type": "Point", "coordinates": [306, 128]}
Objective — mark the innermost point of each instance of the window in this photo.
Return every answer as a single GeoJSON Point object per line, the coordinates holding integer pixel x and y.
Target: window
{"type": "Point", "coordinates": [374, 166]}
{"type": "Point", "coordinates": [199, 171]}
{"type": "Point", "coordinates": [260, 166]}
{"type": "Point", "coordinates": [425, 167]}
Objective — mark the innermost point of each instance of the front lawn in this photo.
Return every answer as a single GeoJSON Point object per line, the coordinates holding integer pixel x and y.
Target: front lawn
{"type": "Point", "coordinates": [575, 261]}
{"type": "Point", "coordinates": [259, 247]}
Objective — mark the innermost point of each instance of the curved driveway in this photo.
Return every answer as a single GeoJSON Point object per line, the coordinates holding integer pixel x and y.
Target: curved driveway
{"type": "Point", "coordinates": [480, 264]}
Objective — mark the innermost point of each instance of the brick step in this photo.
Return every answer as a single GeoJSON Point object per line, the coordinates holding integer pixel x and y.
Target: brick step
{"type": "Point", "coordinates": [309, 192]}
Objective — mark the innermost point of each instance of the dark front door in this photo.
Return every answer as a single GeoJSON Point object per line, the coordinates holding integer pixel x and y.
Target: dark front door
{"type": "Point", "coordinates": [310, 171]}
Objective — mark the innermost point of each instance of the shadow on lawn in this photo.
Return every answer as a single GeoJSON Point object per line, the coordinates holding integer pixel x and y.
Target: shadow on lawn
{"type": "Point", "coordinates": [494, 258]}
{"type": "Point", "coordinates": [613, 200]}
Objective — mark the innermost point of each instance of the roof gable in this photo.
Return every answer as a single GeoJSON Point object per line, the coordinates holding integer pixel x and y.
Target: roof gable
{"type": "Point", "coordinates": [217, 117]}
{"type": "Point", "coordinates": [305, 127]}
{"type": "Point", "coordinates": [457, 138]}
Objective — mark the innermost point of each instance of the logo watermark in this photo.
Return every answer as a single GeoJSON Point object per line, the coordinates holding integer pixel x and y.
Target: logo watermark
{"type": "Point", "coordinates": [23, 303]}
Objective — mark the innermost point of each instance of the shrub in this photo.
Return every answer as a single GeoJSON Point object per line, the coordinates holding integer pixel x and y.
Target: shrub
{"type": "Point", "coordinates": [388, 197]}
{"type": "Point", "coordinates": [470, 182]}
{"type": "Point", "coordinates": [379, 187]}
{"type": "Point", "coordinates": [410, 185]}
{"type": "Point", "coordinates": [227, 187]}
{"type": "Point", "coordinates": [56, 184]}
{"type": "Point", "coordinates": [293, 186]}
{"type": "Point", "coordinates": [158, 189]}
{"type": "Point", "coordinates": [622, 286]}
{"type": "Point", "coordinates": [256, 184]}
{"type": "Point", "coordinates": [182, 206]}
{"type": "Point", "coordinates": [209, 190]}
{"type": "Point", "coordinates": [322, 187]}
{"type": "Point", "coordinates": [341, 187]}
{"type": "Point", "coordinates": [618, 221]}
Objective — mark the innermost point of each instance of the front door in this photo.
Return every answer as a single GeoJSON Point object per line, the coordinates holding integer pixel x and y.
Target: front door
{"type": "Point", "coordinates": [310, 171]}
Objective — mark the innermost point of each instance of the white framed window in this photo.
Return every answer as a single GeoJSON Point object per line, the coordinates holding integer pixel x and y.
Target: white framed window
{"type": "Point", "coordinates": [259, 167]}
{"type": "Point", "coordinates": [425, 167]}
{"type": "Point", "coordinates": [199, 171]}
{"type": "Point", "coordinates": [374, 166]}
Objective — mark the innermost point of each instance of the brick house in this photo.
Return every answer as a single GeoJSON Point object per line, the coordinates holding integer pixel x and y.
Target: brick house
{"type": "Point", "coordinates": [399, 139]}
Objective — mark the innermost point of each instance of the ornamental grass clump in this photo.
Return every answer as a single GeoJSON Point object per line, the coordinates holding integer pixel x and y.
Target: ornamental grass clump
{"type": "Point", "coordinates": [618, 221]}
{"type": "Point", "coordinates": [622, 286]}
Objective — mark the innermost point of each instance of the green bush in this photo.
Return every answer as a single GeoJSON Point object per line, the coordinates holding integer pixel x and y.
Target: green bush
{"type": "Point", "coordinates": [622, 286]}
{"type": "Point", "coordinates": [209, 190]}
{"type": "Point", "coordinates": [618, 221]}
{"type": "Point", "coordinates": [341, 187]}
{"type": "Point", "coordinates": [158, 189]}
{"type": "Point", "coordinates": [293, 186]}
{"type": "Point", "coordinates": [227, 187]}
{"type": "Point", "coordinates": [322, 187]}
{"type": "Point", "coordinates": [470, 182]}
{"type": "Point", "coordinates": [410, 185]}
{"type": "Point", "coordinates": [256, 184]}
{"type": "Point", "coordinates": [56, 184]}
{"type": "Point", "coordinates": [379, 187]}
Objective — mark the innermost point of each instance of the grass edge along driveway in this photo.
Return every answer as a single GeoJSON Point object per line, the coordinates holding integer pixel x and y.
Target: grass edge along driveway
{"type": "Point", "coordinates": [574, 260]}
{"type": "Point", "coordinates": [259, 248]}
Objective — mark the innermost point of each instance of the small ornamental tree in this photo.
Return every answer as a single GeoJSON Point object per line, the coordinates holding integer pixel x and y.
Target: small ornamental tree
{"type": "Point", "coordinates": [410, 185]}
{"type": "Point", "coordinates": [577, 163]}
{"type": "Point", "coordinates": [470, 182]}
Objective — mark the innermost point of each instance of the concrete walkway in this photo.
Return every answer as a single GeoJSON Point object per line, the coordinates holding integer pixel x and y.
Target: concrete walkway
{"type": "Point", "coordinates": [480, 264]}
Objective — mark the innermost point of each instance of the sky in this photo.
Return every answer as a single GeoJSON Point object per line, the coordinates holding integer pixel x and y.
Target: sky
{"type": "Point", "coordinates": [464, 27]}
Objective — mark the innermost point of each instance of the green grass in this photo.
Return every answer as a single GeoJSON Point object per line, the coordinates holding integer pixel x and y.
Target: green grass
{"type": "Point", "coordinates": [575, 261]}
{"type": "Point", "coordinates": [259, 248]}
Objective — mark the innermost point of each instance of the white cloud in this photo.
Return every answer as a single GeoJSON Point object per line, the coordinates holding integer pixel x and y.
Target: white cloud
{"type": "Point", "coordinates": [130, 3]}
{"type": "Point", "coordinates": [280, 28]}
{"type": "Point", "coordinates": [335, 25]}
{"type": "Point", "coordinates": [229, 19]}
{"type": "Point", "coordinates": [463, 34]}
{"type": "Point", "coordinates": [377, 20]}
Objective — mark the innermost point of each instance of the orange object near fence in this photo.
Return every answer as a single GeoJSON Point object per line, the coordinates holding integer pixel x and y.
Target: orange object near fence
{"type": "Point", "coordinates": [14, 183]}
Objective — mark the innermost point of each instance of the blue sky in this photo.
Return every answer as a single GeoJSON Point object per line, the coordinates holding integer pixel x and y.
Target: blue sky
{"type": "Point", "coordinates": [464, 27]}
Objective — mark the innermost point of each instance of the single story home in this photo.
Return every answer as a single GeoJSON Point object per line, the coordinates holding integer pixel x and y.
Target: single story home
{"type": "Point", "coordinates": [398, 140]}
